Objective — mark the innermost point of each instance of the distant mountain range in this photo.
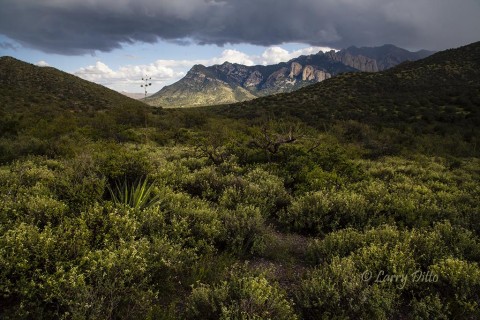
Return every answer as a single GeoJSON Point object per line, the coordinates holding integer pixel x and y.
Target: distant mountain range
{"type": "Point", "coordinates": [436, 95]}
{"type": "Point", "coordinates": [229, 82]}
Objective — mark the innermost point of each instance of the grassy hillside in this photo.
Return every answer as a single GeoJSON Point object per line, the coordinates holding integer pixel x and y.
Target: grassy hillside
{"type": "Point", "coordinates": [354, 199]}
{"type": "Point", "coordinates": [38, 105]}
{"type": "Point", "coordinates": [24, 86]}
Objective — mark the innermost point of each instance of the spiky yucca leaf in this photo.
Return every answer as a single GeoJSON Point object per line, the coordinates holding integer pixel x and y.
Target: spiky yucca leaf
{"type": "Point", "coordinates": [138, 195]}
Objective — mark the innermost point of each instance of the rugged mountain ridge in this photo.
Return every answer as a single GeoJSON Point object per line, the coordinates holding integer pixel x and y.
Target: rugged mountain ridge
{"type": "Point", "coordinates": [230, 82]}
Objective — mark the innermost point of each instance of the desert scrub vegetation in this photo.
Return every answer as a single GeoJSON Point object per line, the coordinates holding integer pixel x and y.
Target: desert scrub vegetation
{"type": "Point", "coordinates": [174, 245]}
{"type": "Point", "coordinates": [351, 264]}
{"type": "Point", "coordinates": [407, 193]}
{"type": "Point", "coordinates": [357, 198]}
{"type": "Point", "coordinates": [243, 295]}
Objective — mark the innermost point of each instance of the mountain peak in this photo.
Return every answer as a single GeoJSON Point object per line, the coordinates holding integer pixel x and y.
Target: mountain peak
{"type": "Point", "coordinates": [197, 67]}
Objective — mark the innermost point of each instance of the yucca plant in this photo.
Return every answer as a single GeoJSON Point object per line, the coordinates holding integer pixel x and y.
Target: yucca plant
{"type": "Point", "coordinates": [138, 195]}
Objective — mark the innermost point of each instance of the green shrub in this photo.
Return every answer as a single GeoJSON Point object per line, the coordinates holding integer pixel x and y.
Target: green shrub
{"type": "Point", "coordinates": [244, 230]}
{"type": "Point", "coordinates": [79, 181]}
{"type": "Point", "coordinates": [209, 183]}
{"type": "Point", "coordinates": [324, 211]}
{"type": "Point", "coordinates": [336, 244]}
{"type": "Point", "coordinates": [428, 265]}
{"type": "Point", "coordinates": [428, 244]}
{"type": "Point", "coordinates": [257, 188]}
{"type": "Point", "coordinates": [30, 262]}
{"type": "Point", "coordinates": [337, 291]}
{"type": "Point", "coordinates": [241, 296]}
{"type": "Point", "coordinates": [117, 283]}
{"type": "Point", "coordinates": [459, 283]}
{"type": "Point", "coordinates": [419, 193]}
{"type": "Point", "coordinates": [194, 223]}
{"type": "Point", "coordinates": [430, 307]}
{"type": "Point", "coordinates": [123, 162]}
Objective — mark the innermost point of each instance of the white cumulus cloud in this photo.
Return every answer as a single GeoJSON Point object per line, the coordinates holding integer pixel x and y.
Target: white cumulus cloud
{"type": "Point", "coordinates": [128, 78]}
{"type": "Point", "coordinates": [233, 56]}
{"type": "Point", "coordinates": [273, 55]}
{"type": "Point", "coordinates": [42, 63]}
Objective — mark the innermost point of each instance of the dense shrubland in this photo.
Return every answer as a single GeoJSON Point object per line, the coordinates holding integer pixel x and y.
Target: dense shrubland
{"type": "Point", "coordinates": [356, 199]}
{"type": "Point", "coordinates": [79, 241]}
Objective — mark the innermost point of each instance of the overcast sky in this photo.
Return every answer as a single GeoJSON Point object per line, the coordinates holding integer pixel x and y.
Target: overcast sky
{"type": "Point", "coordinates": [114, 41]}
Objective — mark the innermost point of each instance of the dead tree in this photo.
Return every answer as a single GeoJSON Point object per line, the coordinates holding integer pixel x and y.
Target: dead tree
{"type": "Point", "coordinates": [270, 140]}
{"type": "Point", "coordinates": [215, 153]}
{"type": "Point", "coordinates": [212, 143]}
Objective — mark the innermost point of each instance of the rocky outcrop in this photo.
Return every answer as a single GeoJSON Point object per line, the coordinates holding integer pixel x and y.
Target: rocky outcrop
{"type": "Point", "coordinates": [253, 80]}
{"type": "Point", "coordinates": [321, 75]}
{"type": "Point", "coordinates": [236, 73]}
{"type": "Point", "coordinates": [308, 73]}
{"type": "Point", "coordinates": [295, 70]}
{"type": "Point", "coordinates": [278, 76]}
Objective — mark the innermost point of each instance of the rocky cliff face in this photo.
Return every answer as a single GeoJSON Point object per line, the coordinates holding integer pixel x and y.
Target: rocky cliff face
{"type": "Point", "coordinates": [229, 82]}
{"type": "Point", "coordinates": [295, 70]}
{"type": "Point", "coordinates": [253, 80]}
{"type": "Point", "coordinates": [358, 62]}
{"type": "Point", "coordinates": [310, 73]}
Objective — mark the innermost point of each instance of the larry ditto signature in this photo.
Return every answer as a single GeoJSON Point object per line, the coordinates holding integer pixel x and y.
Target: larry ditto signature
{"type": "Point", "coordinates": [400, 279]}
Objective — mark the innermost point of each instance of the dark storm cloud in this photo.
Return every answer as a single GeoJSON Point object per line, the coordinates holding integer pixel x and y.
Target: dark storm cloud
{"type": "Point", "coordinates": [83, 26]}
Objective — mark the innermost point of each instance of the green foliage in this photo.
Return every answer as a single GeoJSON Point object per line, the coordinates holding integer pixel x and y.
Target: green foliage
{"type": "Point", "coordinates": [407, 193]}
{"type": "Point", "coordinates": [337, 291]}
{"type": "Point", "coordinates": [365, 172]}
{"type": "Point", "coordinates": [352, 264]}
{"type": "Point", "coordinates": [139, 195]}
{"type": "Point", "coordinates": [242, 296]}
{"type": "Point", "coordinates": [257, 188]}
{"type": "Point", "coordinates": [118, 162]}
{"type": "Point", "coordinates": [54, 210]}
{"type": "Point", "coordinates": [244, 229]}
{"type": "Point", "coordinates": [322, 212]}
{"type": "Point", "coordinates": [459, 281]}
